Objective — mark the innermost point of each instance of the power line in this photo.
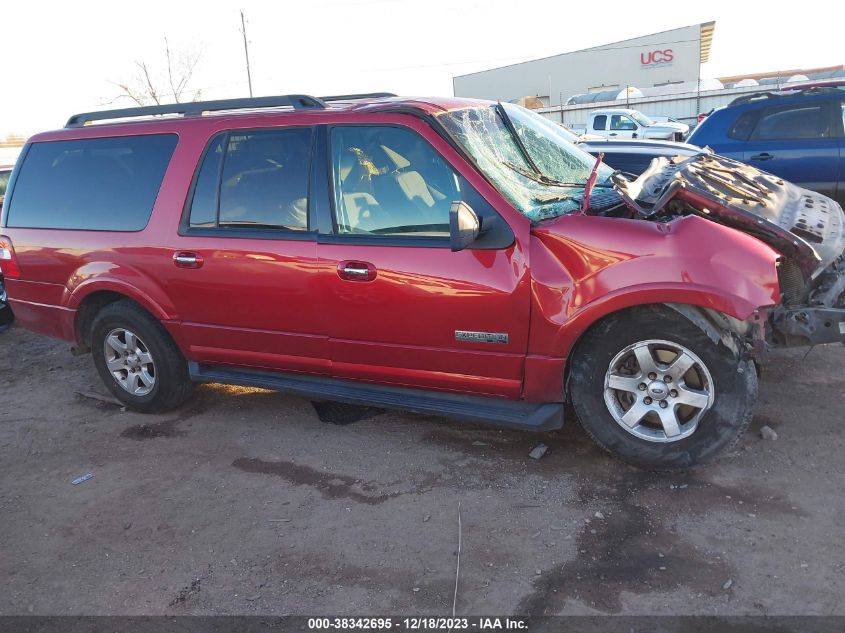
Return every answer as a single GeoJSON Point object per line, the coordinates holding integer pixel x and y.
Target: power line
{"type": "Point", "coordinates": [246, 52]}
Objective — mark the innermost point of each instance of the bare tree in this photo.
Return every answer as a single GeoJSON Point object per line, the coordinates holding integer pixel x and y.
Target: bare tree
{"type": "Point", "coordinates": [146, 87]}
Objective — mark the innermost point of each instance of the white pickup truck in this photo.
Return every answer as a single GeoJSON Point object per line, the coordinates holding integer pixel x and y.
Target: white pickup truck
{"type": "Point", "coordinates": [624, 123]}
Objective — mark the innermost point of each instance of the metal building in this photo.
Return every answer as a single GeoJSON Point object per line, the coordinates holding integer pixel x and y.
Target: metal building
{"type": "Point", "coordinates": [659, 59]}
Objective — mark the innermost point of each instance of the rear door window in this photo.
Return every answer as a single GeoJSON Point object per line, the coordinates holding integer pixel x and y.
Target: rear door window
{"type": "Point", "coordinates": [805, 121]}
{"type": "Point", "coordinates": [254, 180]}
{"type": "Point", "coordinates": [100, 184]}
{"type": "Point", "coordinates": [600, 122]}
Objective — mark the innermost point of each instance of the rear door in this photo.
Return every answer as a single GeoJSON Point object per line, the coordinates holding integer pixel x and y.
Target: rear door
{"type": "Point", "coordinates": [402, 308]}
{"type": "Point", "coordinates": [798, 142]}
{"type": "Point", "coordinates": [242, 271]}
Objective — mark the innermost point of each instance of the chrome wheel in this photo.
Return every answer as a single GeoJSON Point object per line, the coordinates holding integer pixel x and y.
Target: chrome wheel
{"type": "Point", "coordinates": [658, 390]}
{"type": "Point", "coordinates": [130, 362]}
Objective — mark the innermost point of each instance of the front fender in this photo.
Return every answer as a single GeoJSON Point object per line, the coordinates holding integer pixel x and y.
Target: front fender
{"type": "Point", "coordinates": [585, 268]}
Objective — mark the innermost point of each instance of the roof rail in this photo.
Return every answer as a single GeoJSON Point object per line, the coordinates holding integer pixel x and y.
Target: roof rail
{"type": "Point", "coordinates": [196, 108]}
{"type": "Point", "coordinates": [753, 97]}
{"type": "Point", "coordinates": [363, 95]}
{"type": "Point", "coordinates": [786, 91]}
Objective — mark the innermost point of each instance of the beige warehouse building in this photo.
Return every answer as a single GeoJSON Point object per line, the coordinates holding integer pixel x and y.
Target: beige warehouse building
{"type": "Point", "coordinates": [659, 59]}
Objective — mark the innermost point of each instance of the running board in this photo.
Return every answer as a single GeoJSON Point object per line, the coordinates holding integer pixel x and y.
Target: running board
{"type": "Point", "coordinates": [500, 412]}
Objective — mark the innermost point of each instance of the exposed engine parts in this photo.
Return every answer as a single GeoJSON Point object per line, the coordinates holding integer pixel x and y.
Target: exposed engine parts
{"type": "Point", "coordinates": [806, 227]}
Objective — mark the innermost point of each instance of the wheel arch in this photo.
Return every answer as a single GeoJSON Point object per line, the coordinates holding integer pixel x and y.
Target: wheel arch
{"type": "Point", "coordinates": [720, 327]}
{"type": "Point", "coordinates": [90, 299]}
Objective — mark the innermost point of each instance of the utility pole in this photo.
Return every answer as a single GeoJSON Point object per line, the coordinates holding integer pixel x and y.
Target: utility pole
{"type": "Point", "coordinates": [246, 52]}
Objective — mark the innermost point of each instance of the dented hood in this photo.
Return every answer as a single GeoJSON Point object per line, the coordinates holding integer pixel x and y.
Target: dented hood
{"type": "Point", "coordinates": [801, 224]}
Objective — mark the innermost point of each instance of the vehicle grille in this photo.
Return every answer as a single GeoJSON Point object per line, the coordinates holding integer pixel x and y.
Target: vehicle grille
{"type": "Point", "coordinates": [791, 281]}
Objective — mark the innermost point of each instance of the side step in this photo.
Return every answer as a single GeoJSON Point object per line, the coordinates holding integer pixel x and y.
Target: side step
{"type": "Point", "coordinates": [485, 410]}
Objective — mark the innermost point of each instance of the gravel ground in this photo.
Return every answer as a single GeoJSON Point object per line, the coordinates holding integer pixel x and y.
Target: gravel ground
{"type": "Point", "coordinates": [244, 502]}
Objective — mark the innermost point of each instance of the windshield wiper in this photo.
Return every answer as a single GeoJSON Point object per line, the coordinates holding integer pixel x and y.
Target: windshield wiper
{"type": "Point", "coordinates": [545, 180]}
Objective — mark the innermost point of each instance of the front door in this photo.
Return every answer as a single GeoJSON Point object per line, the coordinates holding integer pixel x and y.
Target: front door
{"type": "Point", "coordinates": [622, 126]}
{"type": "Point", "coordinates": [402, 308]}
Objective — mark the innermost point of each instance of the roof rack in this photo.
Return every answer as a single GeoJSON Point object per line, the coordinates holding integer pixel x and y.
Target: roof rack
{"type": "Point", "coordinates": [753, 97]}
{"type": "Point", "coordinates": [197, 108]}
{"type": "Point", "coordinates": [353, 97]}
{"type": "Point", "coordinates": [786, 92]}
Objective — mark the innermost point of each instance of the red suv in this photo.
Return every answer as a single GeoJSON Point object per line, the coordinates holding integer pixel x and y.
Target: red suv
{"type": "Point", "coordinates": [447, 256]}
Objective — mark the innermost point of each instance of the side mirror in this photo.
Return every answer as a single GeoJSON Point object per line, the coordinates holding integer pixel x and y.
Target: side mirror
{"type": "Point", "coordinates": [464, 226]}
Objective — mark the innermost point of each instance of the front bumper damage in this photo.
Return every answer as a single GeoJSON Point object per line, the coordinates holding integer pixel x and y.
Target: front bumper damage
{"type": "Point", "coordinates": [816, 315]}
{"type": "Point", "coordinates": [807, 228]}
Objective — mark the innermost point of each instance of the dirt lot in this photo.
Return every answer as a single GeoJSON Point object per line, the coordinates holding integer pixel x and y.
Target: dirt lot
{"type": "Point", "coordinates": [244, 502]}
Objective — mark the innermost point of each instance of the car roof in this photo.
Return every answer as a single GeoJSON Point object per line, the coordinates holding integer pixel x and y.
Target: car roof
{"type": "Point", "coordinates": [353, 104]}
{"type": "Point", "coordinates": [766, 99]}
{"type": "Point", "coordinates": [614, 111]}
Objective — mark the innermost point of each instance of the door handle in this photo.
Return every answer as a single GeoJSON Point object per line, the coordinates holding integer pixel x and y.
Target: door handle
{"type": "Point", "coordinates": [187, 259]}
{"type": "Point", "coordinates": [612, 134]}
{"type": "Point", "coordinates": [356, 271]}
{"type": "Point", "coordinates": [762, 156]}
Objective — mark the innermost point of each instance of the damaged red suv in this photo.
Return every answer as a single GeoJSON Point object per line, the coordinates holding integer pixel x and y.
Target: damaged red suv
{"type": "Point", "coordinates": [447, 256]}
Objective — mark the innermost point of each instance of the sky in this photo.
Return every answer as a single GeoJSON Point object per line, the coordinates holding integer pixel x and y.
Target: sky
{"type": "Point", "coordinates": [62, 58]}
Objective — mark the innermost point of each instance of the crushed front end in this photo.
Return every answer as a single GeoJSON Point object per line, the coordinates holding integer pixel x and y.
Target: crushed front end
{"type": "Point", "coordinates": [807, 228]}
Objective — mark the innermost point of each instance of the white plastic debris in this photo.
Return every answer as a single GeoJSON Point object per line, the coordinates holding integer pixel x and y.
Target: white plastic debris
{"type": "Point", "coordinates": [538, 451]}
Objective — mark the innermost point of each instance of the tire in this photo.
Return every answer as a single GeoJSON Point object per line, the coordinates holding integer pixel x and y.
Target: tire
{"type": "Point", "coordinates": [722, 386]}
{"type": "Point", "coordinates": [162, 383]}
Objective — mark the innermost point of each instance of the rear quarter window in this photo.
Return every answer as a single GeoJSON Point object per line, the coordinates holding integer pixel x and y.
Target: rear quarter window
{"type": "Point", "coordinates": [102, 184]}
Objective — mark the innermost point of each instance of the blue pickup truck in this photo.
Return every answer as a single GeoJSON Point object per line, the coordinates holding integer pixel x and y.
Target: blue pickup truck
{"type": "Point", "coordinates": [796, 135]}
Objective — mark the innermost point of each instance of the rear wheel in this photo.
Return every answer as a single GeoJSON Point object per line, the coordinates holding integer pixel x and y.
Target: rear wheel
{"type": "Point", "coordinates": [137, 359]}
{"type": "Point", "coordinates": [651, 387]}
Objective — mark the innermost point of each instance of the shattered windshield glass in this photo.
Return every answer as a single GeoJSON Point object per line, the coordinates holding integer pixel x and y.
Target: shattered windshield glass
{"type": "Point", "coordinates": [546, 183]}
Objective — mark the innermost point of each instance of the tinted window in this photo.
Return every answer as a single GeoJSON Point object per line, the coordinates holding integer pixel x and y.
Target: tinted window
{"type": "Point", "coordinates": [204, 202]}
{"type": "Point", "coordinates": [795, 122]}
{"type": "Point", "coordinates": [263, 183]}
{"type": "Point", "coordinates": [390, 181]}
{"type": "Point", "coordinates": [621, 122]}
{"type": "Point", "coordinates": [107, 184]}
{"type": "Point", "coordinates": [744, 125]}
{"type": "Point", "coordinates": [600, 122]}
{"type": "Point", "coordinates": [4, 180]}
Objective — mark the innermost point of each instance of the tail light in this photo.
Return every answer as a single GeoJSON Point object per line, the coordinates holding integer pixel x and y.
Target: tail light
{"type": "Point", "coordinates": [8, 265]}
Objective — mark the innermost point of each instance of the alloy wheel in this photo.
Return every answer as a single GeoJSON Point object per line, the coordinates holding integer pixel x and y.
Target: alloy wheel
{"type": "Point", "coordinates": [658, 390]}
{"type": "Point", "coordinates": [129, 361]}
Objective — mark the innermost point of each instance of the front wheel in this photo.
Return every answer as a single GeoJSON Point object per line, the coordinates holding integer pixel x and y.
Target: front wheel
{"type": "Point", "coordinates": [651, 387]}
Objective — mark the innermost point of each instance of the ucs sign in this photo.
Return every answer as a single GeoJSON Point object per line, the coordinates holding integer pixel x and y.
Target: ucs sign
{"type": "Point", "coordinates": [655, 58]}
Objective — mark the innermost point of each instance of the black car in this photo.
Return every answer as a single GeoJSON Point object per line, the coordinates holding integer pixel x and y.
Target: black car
{"type": "Point", "coordinates": [6, 316]}
{"type": "Point", "coordinates": [633, 156]}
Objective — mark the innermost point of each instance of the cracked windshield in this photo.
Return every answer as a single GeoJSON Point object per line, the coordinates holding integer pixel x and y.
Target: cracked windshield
{"type": "Point", "coordinates": [539, 170]}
